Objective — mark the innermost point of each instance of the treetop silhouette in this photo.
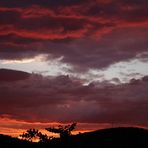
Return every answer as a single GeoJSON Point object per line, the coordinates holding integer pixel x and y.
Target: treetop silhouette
{"type": "Point", "coordinates": [64, 131]}
{"type": "Point", "coordinates": [35, 134]}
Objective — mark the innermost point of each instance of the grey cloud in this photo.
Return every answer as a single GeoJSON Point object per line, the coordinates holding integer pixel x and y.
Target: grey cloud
{"type": "Point", "coordinates": [64, 99]}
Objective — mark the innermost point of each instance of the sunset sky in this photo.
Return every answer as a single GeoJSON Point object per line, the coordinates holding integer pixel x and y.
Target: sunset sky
{"type": "Point", "coordinates": [64, 61]}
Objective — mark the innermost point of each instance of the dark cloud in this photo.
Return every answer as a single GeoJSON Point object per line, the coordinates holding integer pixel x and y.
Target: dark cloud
{"type": "Point", "coordinates": [16, 40]}
{"type": "Point", "coordinates": [45, 3]}
{"type": "Point", "coordinates": [9, 17]}
{"type": "Point", "coordinates": [47, 23]}
{"type": "Point", "coordinates": [135, 2]}
{"type": "Point", "coordinates": [7, 75]}
{"type": "Point", "coordinates": [64, 99]}
{"type": "Point", "coordinates": [88, 34]}
{"type": "Point", "coordinates": [83, 54]}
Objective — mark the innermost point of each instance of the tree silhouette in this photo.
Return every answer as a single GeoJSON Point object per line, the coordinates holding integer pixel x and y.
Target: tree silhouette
{"type": "Point", "coordinates": [30, 134]}
{"type": "Point", "coordinates": [43, 137]}
{"type": "Point", "coordinates": [35, 134]}
{"type": "Point", "coordinates": [64, 131]}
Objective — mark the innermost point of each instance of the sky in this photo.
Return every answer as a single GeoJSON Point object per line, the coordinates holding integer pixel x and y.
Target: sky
{"type": "Point", "coordinates": [70, 61]}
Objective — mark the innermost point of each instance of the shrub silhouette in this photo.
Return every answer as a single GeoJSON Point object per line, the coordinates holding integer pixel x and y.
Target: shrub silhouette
{"type": "Point", "coordinates": [43, 137]}
{"type": "Point", "coordinates": [31, 134]}
{"type": "Point", "coordinates": [63, 131]}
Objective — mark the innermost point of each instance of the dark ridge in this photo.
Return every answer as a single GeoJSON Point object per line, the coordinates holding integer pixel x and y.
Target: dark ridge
{"type": "Point", "coordinates": [115, 137]}
{"type": "Point", "coordinates": [10, 142]}
{"type": "Point", "coordinates": [7, 75]}
{"type": "Point", "coordinates": [107, 138]}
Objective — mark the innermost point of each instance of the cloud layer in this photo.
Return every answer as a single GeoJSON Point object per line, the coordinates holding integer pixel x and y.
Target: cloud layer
{"type": "Point", "coordinates": [87, 34]}
{"type": "Point", "coordinates": [63, 99]}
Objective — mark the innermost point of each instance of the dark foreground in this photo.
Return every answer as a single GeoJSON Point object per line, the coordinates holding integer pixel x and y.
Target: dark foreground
{"type": "Point", "coordinates": [115, 137]}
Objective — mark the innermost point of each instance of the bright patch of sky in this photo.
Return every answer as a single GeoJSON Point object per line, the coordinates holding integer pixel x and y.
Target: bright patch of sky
{"type": "Point", "coordinates": [124, 71]}
{"type": "Point", "coordinates": [38, 64]}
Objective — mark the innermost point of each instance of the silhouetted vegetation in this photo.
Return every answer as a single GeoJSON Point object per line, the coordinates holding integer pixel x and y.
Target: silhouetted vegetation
{"type": "Point", "coordinates": [63, 131]}
{"type": "Point", "coordinates": [32, 134]}
{"type": "Point", "coordinates": [114, 137]}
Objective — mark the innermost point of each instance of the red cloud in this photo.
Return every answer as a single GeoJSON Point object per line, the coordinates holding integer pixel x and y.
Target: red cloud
{"type": "Point", "coordinates": [75, 21]}
{"type": "Point", "coordinates": [86, 34]}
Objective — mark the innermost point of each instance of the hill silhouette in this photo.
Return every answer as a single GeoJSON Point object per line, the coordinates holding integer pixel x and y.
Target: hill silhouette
{"type": "Point", "coordinates": [106, 138]}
